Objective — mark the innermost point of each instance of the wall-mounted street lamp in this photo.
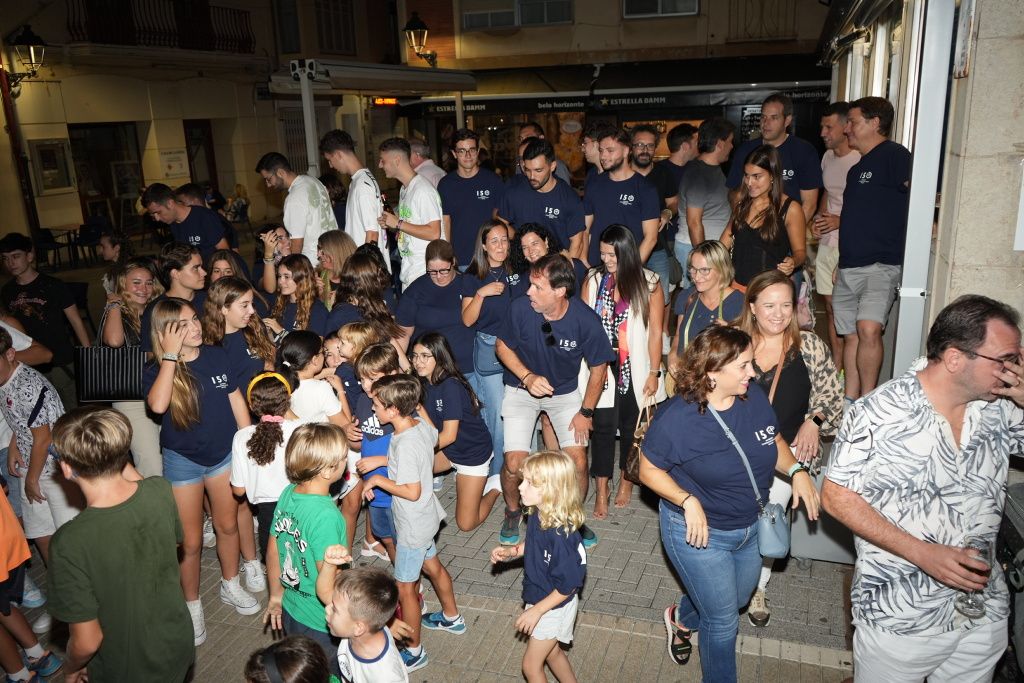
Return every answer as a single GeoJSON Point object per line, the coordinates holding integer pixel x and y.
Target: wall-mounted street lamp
{"type": "Point", "coordinates": [416, 36]}
{"type": "Point", "coordinates": [30, 50]}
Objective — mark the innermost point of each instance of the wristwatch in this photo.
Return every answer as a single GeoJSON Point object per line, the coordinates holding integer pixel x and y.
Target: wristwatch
{"type": "Point", "coordinates": [817, 419]}
{"type": "Point", "coordinates": [587, 412]}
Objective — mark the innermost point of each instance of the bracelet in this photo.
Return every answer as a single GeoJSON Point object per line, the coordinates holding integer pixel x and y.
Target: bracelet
{"type": "Point", "coordinates": [398, 225]}
{"type": "Point", "coordinates": [268, 260]}
{"type": "Point", "coordinates": [522, 382]}
{"type": "Point", "coordinates": [170, 356]}
{"type": "Point", "coordinates": [656, 373]}
{"type": "Point", "coordinates": [111, 305]}
{"type": "Point", "coordinates": [797, 467]}
{"type": "Point", "coordinates": [683, 501]}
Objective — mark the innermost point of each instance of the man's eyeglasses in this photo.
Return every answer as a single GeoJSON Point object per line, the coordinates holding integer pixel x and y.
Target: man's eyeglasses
{"type": "Point", "coordinates": [644, 146]}
{"type": "Point", "coordinates": [466, 152]}
{"type": "Point", "coordinates": [703, 272]}
{"type": "Point", "coordinates": [1015, 358]}
{"type": "Point", "coordinates": [440, 272]}
{"type": "Point", "coordinates": [549, 339]}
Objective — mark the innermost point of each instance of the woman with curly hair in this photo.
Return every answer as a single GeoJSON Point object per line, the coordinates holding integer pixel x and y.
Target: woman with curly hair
{"type": "Point", "coordinates": [230, 321]}
{"type": "Point", "coordinates": [363, 294]}
{"type": "Point", "coordinates": [531, 242]}
{"type": "Point", "coordinates": [295, 305]}
{"type": "Point", "coordinates": [257, 451]}
{"type": "Point", "coordinates": [135, 286]}
{"type": "Point", "coordinates": [709, 509]}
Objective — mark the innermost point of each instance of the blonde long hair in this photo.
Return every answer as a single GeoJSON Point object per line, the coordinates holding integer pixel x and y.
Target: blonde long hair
{"type": "Point", "coordinates": [553, 473]}
{"type": "Point", "coordinates": [305, 290]}
{"type": "Point", "coordinates": [184, 391]}
{"type": "Point", "coordinates": [128, 313]}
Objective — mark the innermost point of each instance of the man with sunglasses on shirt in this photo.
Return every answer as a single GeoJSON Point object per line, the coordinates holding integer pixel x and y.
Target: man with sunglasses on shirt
{"type": "Point", "coordinates": [548, 334]}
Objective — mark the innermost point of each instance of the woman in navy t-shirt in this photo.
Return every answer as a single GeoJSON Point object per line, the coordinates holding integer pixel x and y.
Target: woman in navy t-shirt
{"type": "Point", "coordinates": [295, 305]}
{"type": "Point", "coordinates": [202, 409]}
{"type": "Point", "coordinates": [463, 441]}
{"type": "Point", "coordinates": [709, 508]}
{"type": "Point", "coordinates": [230, 321]}
{"type": "Point", "coordinates": [488, 287]}
{"type": "Point", "coordinates": [433, 303]}
{"type": "Point", "coordinates": [364, 294]}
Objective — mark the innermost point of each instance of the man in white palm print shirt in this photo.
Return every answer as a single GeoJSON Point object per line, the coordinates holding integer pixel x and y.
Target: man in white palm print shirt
{"type": "Point", "coordinates": [307, 208]}
{"type": "Point", "coordinates": [919, 465]}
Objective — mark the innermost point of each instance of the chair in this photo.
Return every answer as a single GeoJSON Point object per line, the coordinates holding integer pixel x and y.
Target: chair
{"type": "Point", "coordinates": [87, 241]}
{"type": "Point", "coordinates": [46, 243]}
{"type": "Point", "coordinates": [80, 292]}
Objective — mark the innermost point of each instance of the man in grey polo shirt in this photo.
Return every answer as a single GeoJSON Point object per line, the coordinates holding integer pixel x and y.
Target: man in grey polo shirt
{"type": "Point", "coordinates": [703, 197]}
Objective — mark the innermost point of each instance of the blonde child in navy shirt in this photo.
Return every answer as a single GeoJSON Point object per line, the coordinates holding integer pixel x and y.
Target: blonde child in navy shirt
{"type": "Point", "coordinates": [555, 563]}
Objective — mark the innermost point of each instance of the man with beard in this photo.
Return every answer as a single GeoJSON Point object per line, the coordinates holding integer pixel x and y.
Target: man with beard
{"type": "Point", "coordinates": [544, 198]}
{"type": "Point", "coordinates": [645, 140]}
{"type": "Point", "coordinates": [620, 195]}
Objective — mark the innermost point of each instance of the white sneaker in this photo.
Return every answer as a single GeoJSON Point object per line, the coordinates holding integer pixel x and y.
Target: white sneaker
{"type": "Point", "coordinates": [42, 624]}
{"type": "Point", "coordinates": [209, 538]}
{"type": "Point", "coordinates": [493, 484]}
{"type": "Point", "coordinates": [33, 595]}
{"type": "Point", "coordinates": [255, 576]}
{"type": "Point", "coordinates": [232, 593]}
{"type": "Point", "coordinates": [195, 609]}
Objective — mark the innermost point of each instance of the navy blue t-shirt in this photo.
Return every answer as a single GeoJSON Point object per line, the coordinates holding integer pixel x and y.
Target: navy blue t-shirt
{"type": "Point", "coordinates": [207, 442]}
{"type": "Point", "coordinates": [147, 316]}
{"type": "Point", "coordinates": [494, 309]}
{"type": "Point", "coordinates": [801, 165]}
{"type": "Point", "coordinates": [202, 229]}
{"type": "Point", "coordinates": [577, 336]}
{"type": "Point", "coordinates": [470, 202]}
{"type": "Point", "coordinates": [343, 313]}
{"type": "Point", "coordinates": [243, 361]}
{"type": "Point", "coordinates": [376, 439]}
{"type": "Point", "coordinates": [427, 307]}
{"type": "Point", "coordinates": [449, 400]}
{"type": "Point", "coordinates": [353, 390]}
{"type": "Point", "coordinates": [875, 203]}
{"type": "Point", "coordinates": [317, 315]}
{"type": "Point", "coordinates": [629, 202]}
{"type": "Point", "coordinates": [559, 210]}
{"type": "Point", "coordinates": [706, 463]}
{"type": "Point", "coordinates": [695, 316]}
{"type": "Point", "coordinates": [553, 561]}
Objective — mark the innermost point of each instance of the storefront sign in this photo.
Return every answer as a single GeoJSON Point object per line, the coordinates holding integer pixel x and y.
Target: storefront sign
{"type": "Point", "coordinates": [174, 163]}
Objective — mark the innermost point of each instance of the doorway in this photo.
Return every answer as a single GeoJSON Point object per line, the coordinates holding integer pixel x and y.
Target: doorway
{"type": "Point", "coordinates": [202, 164]}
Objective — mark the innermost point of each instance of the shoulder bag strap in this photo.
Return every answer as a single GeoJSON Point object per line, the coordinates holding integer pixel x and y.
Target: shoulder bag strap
{"type": "Point", "coordinates": [38, 407]}
{"type": "Point", "coordinates": [743, 456]}
{"type": "Point", "coordinates": [778, 372]}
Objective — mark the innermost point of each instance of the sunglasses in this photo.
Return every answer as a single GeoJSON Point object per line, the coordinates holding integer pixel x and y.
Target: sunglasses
{"type": "Point", "coordinates": [549, 339]}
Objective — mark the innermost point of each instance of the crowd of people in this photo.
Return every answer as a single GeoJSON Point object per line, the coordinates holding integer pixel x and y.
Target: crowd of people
{"type": "Point", "coordinates": [510, 333]}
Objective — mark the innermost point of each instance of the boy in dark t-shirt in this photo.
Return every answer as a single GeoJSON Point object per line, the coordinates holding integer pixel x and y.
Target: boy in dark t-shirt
{"type": "Point", "coordinates": [125, 625]}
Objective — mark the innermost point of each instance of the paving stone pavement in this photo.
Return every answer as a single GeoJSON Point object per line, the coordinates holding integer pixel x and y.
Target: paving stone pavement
{"type": "Point", "coordinates": [619, 632]}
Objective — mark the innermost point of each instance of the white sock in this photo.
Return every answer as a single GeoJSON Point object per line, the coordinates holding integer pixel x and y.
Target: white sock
{"type": "Point", "coordinates": [36, 651]}
{"type": "Point", "coordinates": [23, 675]}
{"type": "Point", "coordinates": [449, 618]}
{"type": "Point", "coordinates": [415, 651]}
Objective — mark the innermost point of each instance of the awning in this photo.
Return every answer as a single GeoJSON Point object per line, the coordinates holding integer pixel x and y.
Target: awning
{"type": "Point", "coordinates": [336, 77]}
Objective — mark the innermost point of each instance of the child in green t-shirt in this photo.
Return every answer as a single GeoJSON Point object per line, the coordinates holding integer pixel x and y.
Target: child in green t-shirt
{"type": "Point", "coordinates": [114, 574]}
{"type": "Point", "coordinates": [307, 536]}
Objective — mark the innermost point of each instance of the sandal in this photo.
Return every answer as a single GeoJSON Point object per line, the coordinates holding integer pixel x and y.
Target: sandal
{"type": "Point", "coordinates": [679, 652]}
{"type": "Point", "coordinates": [373, 550]}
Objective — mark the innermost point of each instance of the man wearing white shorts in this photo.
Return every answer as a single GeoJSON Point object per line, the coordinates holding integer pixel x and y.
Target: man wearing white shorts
{"type": "Point", "coordinates": [548, 334]}
{"type": "Point", "coordinates": [871, 242]}
{"type": "Point", "coordinates": [835, 165]}
{"type": "Point", "coordinates": [918, 472]}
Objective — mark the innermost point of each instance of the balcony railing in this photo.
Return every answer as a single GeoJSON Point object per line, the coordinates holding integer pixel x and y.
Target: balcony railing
{"type": "Point", "coordinates": [184, 24]}
{"type": "Point", "coordinates": [762, 20]}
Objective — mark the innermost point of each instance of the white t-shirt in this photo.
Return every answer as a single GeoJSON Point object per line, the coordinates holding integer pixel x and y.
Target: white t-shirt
{"type": "Point", "coordinates": [314, 401]}
{"type": "Point", "coordinates": [262, 483]}
{"type": "Point", "coordinates": [387, 667]}
{"type": "Point", "coordinates": [431, 171]}
{"type": "Point", "coordinates": [21, 342]}
{"type": "Point", "coordinates": [308, 213]}
{"type": "Point", "coordinates": [418, 203]}
{"type": "Point", "coordinates": [363, 209]}
{"type": "Point", "coordinates": [833, 173]}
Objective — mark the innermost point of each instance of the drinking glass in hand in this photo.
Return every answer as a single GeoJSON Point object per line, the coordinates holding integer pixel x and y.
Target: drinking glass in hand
{"type": "Point", "coordinates": [972, 605]}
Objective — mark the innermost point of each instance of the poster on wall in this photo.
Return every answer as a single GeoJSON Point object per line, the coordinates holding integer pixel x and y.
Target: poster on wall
{"type": "Point", "coordinates": [174, 163]}
{"type": "Point", "coordinates": [127, 179]}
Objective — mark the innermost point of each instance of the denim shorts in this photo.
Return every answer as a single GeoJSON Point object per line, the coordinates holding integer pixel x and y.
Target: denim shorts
{"type": "Point", "coordinates": [409, 561]}
{"type": "Point", "coordinates": [382, 521]}
{"type": "Point", "coordinates": [181, 471]}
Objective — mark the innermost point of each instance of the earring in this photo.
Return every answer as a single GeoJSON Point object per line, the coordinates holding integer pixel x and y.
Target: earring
{"type": "Point", "coordinates": [713, 382]}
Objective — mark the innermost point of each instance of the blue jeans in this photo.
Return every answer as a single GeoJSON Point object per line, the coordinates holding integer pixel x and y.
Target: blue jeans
{"type": "Point", "coordinates": [658, 262]}
{"type": "Point", "coordinates": [682, 252]}
{"type": "Point", "coordinates": [719, 581]}
{"type": "Point", "coordinates": [490, 389]}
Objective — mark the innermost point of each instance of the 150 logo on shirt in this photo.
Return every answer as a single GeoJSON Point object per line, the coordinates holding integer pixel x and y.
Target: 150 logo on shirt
{"type": "Point", "coordinates": [626, 199]}
{"type": "Point", "coordinates": [220, 381]}
{"type": "Point", "coordinates": [483, 194]}
{"type": "Point", "coordinates": [551, 212]}
{"type": "Point", "coordinates": [566, 344]}
{"type": "Point", "coordinates": [765, 436]}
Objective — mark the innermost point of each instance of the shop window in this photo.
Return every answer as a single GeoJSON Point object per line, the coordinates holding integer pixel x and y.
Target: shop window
{"type": "Point", "coordinates": [287, 16]}
{"type": "Point", "coordinates": [335, 26]}
{"type": "Point", "coordinates": [634, 9]}
{"type": "Point", "coordinates": [534, 12]}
